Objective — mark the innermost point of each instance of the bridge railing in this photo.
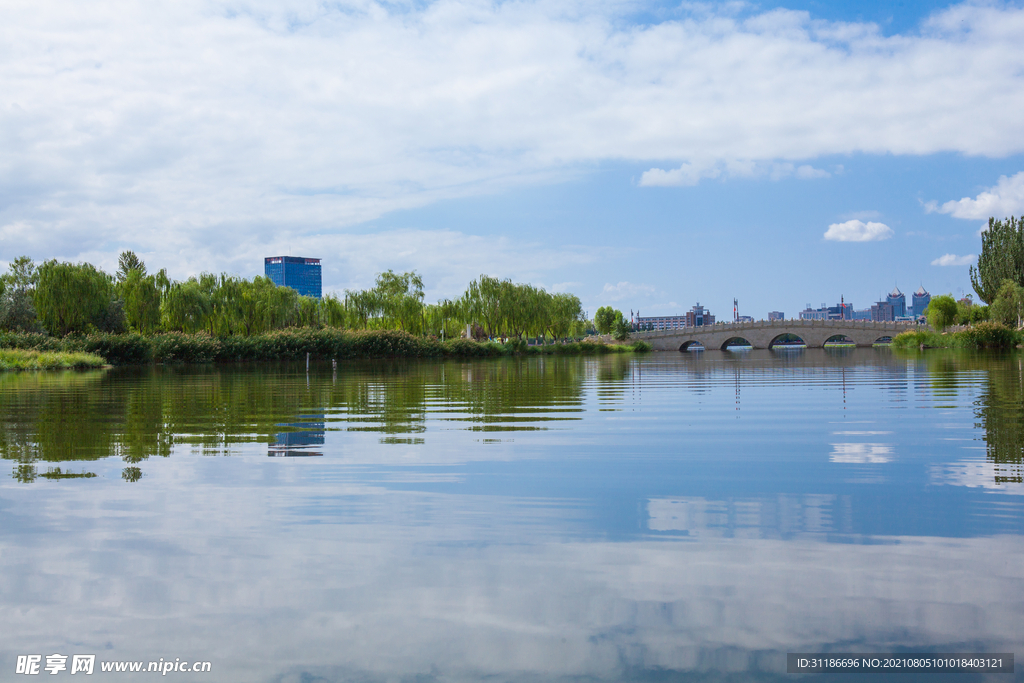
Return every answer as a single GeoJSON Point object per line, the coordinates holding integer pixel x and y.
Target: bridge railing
{"type": "Point", "coordinates": [784, 324]}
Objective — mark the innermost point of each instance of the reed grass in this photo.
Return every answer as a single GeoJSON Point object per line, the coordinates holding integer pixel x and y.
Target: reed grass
{"type": "Point", "coordinates": [30, 359]}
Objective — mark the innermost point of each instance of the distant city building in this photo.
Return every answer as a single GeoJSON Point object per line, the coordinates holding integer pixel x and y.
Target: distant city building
{"type": "Point", "coordinates": [898, 301]}
{"type": "Point", "coordinates": [776, 315]}
{"type": "Point", "coordinates": [698, 316]}
{"type": "Point", "coordinates": [301, 274]}
{"type": "Point", "coordinates": [744, 318]}
{"type": "Point", "coordinates": [665, 322]}
{"type": "Point", "coordinates": [814, 313]}
{"type": "Point", "coordinates": [864, 314]}
{"type": "Point", "coordinates": [920, 301]}
{"type": "Point", "coordinates": [841, 311]}
{"type": "Point", "coordinates": [693, 318]}
{"type": "Point", "coordinates": [883, 311]}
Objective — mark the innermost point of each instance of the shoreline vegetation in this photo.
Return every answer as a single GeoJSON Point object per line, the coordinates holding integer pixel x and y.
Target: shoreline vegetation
{"type": "Point", "coordinates": [135, 318]}
{"type": "Point", "coordinates": [33, 359]}
{"type": "Point", "coordinates": [983, 335]}
{"type": "Point", "coordinates": [289, 344]}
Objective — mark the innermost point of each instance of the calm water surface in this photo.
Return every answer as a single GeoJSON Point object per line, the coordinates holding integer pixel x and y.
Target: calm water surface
{"type": "Point", "coordinates": [670, 517]}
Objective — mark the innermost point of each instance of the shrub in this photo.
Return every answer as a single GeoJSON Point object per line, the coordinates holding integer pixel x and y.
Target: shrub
{"type": "Point", "coordinates": [987, 335]}
{"type": "Point", "coordinates": [467, 348]}
{"type": "Point", "coordinates": [912, 339]}
{"type": "Point", "coordinates": [119, 349]}
{"type": "Point", "coordinates": [518, 346]}
{"type": "Point", "coordinates": [30, 340]}
{"type": "Point", "coordinates": [176, 347]}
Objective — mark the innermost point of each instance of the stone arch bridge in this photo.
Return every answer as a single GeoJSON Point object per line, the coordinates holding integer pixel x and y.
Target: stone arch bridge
{"type": "Point", "coordinates": [767, 334]}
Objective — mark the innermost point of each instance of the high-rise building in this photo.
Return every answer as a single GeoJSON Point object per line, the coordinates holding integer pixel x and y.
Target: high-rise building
{"type": "Point", "coordinates": [776, 315]}
{"type": "Point", "coordinates": [699, 316]}
{"type": "Point", "coordinates": [920, 301]}
{"type": "Point", "coordinates": [898, 301]}
{"type": "Point", "coordinates": [299, 273]}
{"type": "Point", "coordinates": [883, 311]}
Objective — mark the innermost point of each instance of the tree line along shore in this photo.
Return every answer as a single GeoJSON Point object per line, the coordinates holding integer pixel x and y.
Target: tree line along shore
{"type": "Point", "coordinates": [290, 344]}
{"type": "Point", "coordinates": [134, 317]}
{"type": "Point", "coordinates": [137, 317]}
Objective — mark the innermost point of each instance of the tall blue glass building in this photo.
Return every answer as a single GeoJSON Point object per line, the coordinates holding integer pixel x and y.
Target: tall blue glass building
{"type": "Point", "coordinates": [301, 274]}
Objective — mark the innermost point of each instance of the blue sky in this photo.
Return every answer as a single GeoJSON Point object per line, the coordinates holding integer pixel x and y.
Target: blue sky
{"type": "Point", "coordinates": [646, 155]}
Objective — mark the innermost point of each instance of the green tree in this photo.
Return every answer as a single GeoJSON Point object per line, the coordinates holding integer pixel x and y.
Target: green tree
{"type": "Point", "coordinates": [1008, 307]}
{"type": "Point", "coordinates": [185, 307]}
{"type": "Point", "coordinates": [621, 329]}
{"type": "Point", "coordinates": [941, 312]}
{"type": "Point", "coordinates": [1001, 258]}
{"type": "Point", "coordinates": [17, 288]}
{"type": "Point", "coordinates": [396, 302]}
{"type": "Point", "coordinates": [567, 315]}
{"type": "Point", "coordinates": [605, 319]}
{"type": "Point", "coordinates": [141, 298]}
{"type": "Point", "coordinates": [126, 263]}
{"type": "Point", "coordinates": [71, 297]}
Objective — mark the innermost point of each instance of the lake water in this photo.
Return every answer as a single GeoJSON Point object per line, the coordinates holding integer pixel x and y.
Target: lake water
{"type": "Point", "coordinates": [690, 516]}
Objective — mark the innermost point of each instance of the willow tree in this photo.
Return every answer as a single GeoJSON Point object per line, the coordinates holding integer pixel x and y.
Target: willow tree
{"type": "Point", "coordinates": [141, 298]}
{"type": "Point", "coordinates": [72, 297]}
{"type": "Point", "coordinates": [1001, 258]}
{"type": "Point", "coordinates": [185, 307]}
{"type": "Point", "coordinates": [395, 302]}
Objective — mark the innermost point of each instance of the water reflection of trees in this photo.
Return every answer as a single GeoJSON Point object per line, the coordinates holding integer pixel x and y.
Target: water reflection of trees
{"type": "Point", "coordinates": [135, 414]}
{"type": "Point", "coordinates": [999, 406]}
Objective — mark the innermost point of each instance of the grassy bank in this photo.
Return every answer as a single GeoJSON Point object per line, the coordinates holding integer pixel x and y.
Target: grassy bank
{"type": "Point", "coordinates": [985, 335]}
{"type": "Point", "coordinates": [30, 359]}
{"type": "Point", "coordinates": [292, 344]}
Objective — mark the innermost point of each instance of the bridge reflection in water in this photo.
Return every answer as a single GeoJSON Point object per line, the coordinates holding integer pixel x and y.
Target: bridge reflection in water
{"type": "Point", "coordinates": [771, 334]}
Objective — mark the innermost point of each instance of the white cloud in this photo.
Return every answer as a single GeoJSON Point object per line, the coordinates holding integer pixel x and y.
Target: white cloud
{"type": "Point", "coordinates": [954, 260]}
{"type": "Point", "coordinates": [858, 231]}
{"type": "Point", "coordinates": [806, 172]}
{"type": "Point", "coordinates": [686, 175]}
{"type": "Point", "coordinates": [1005, 199]}
{"type": "Point", "coordinates": [691, 173]}
{"type": "Point", "coordinates": [624, 290]}
{"type": "Point", "coordinates": [183, 127]}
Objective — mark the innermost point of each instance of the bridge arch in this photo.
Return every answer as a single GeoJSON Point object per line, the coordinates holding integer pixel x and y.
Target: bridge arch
{"type": "Point", "coordinates": [691, 345]}
{"type": "Point", "coordinates": [839, 340]}
{"type": "Point", "coordinates": [786, 339]}
{"type": "Point", "coordinates": [768, 334]}
{"type": "Point", "coordinates": [733, 342]}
